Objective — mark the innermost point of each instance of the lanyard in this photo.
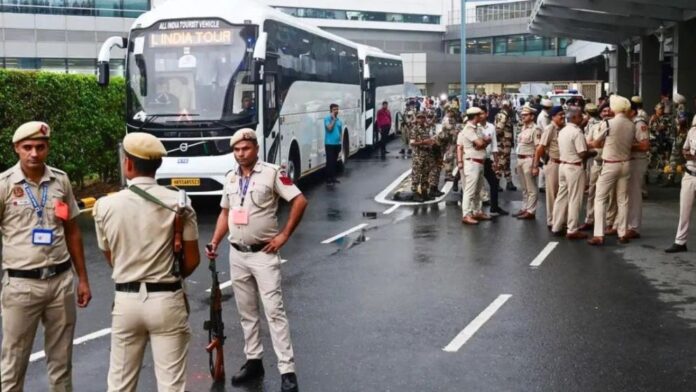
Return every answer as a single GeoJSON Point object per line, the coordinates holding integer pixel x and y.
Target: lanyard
{"type": "Point", "coordinates": [243, 187]}
{"type": "Point", "coordinates": [44, 197]}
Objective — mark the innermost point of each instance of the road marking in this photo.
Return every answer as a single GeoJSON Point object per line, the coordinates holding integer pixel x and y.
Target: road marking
{"type": "Point", "coordinates": [391, 209]}
{"type": "Point", "coordinates": [345, 233]}
{"type": "Point", "coordinates": [94, 335]}
{"type": "Point", "coordinates": [382, 196]}
{"type": "Point", "coordinates": [544, 254]}
{"type": "Point", "coordinates": [475, 324]}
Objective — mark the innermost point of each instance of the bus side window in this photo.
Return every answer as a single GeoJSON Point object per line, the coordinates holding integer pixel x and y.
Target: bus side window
{"type": "Point", "coordinates": [271, 106]}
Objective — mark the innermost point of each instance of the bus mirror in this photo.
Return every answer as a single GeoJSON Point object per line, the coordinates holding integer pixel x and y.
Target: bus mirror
{"type": "Point", "coordinates": [103, 73]}
{"type": "Point", "coordinates": [256, 76]}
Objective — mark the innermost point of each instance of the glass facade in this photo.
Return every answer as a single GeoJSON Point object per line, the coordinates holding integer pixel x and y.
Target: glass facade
{"type": "Point", "coordinates": [491, 12]}
{"type": "Point", "coordinates": [113, 8]}
{"type": "Point", "coordinates": [513, 45]}
{"type": "Point", "coordinates": [317, 13]}
{"type": "Point", "coordinates": [62, 65]}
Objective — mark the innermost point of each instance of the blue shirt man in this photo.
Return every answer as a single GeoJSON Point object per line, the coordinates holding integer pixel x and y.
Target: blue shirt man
{"type": "Point", "coordinates": [333, 127]}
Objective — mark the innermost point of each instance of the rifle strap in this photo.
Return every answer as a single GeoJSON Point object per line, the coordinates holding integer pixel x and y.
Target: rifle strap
{"type": "Point", "coordinates": [149, 197]}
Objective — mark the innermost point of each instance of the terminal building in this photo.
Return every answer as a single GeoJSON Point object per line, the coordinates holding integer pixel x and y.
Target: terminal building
{"type": "Point", "coordinates": [629, 46]}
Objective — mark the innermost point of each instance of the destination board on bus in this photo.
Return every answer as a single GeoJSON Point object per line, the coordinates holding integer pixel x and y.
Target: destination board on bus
{"type": "Point", "coordinates": [163, 39]}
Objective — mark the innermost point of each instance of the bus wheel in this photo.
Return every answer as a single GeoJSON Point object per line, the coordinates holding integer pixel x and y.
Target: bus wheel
{"type": "Point", "coordinates": [343, 156]}
{"type": "Point", "coordinates": [294, 169]}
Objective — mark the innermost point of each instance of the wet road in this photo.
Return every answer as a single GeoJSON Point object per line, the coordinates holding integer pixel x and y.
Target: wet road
{"type": "Point", "coordinates": [373, 310]}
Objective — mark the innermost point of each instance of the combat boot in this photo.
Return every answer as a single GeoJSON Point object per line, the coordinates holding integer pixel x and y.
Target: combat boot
{"type": "Point", "coordinates": [251, 370]}
{"type": "Point", "coordinates": [510, 186]}
{"type": "Point", "coordinates": [434, 192]}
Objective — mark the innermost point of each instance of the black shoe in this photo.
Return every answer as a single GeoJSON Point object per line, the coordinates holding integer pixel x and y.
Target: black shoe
{"type": "Point", "coordinates": [402, 151]}
{"type": "Point", "coordinates": [434, 192]}
{"type": "Point", "coordinates": [288, 382]}
{"type": "Point", "coordinates": [676, 248]}
{"type": "Point", "coordinates": [486, 203]}
{"type": "Point", "coordinates": [510, 187]}
{"type": "Point", "coordinates": [542, 190]}
{"type": "Point", "coordinates": [499, 211]}
{"type": "Point", "coordinates": [500, 189]}
{"type": "Point", "coordinates": [251, 370]}
{"type": "Point", "coordinates": [455, 187]}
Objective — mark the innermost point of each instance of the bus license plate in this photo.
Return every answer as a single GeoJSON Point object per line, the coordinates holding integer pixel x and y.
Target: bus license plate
{"type": "Point", "coordinates": [186, 182]}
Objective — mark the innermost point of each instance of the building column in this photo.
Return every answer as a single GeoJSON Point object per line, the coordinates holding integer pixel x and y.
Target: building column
{"type": "Point", "coordinates": [624, 75]}
{"type": "Point", "coordinates": [685, 61]}
{"type": "Point", "coordinates": [650, 72]}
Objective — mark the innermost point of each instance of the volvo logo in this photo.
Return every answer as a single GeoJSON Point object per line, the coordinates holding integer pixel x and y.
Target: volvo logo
{"type": "Point", "coordinates": [183, 147]}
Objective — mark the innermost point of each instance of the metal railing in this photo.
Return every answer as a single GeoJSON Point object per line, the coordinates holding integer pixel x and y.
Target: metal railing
{"type": "Point", "coordinates": [84, 8]}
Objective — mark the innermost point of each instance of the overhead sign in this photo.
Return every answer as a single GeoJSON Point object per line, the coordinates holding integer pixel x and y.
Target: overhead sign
{"type": "Point", "coordinates": [189, 24]}
{"type": "Point", "coordinates": [190, 38]}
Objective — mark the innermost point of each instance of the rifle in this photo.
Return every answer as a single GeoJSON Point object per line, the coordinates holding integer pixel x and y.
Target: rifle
{"type": "Point", "coordinates": [179, 233]}
{"type": "Point", "coordinates": [215, 326]}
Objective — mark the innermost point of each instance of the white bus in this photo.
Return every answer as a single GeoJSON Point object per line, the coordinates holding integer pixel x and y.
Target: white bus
{"type": "Point", "coordinates": [197, 71]}
{"type": "Point", "coordinates": [383, 81]}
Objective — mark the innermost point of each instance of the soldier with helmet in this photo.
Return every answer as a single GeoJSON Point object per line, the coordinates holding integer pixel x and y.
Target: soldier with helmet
{"type": "Point", "coordinates": [41, 254]}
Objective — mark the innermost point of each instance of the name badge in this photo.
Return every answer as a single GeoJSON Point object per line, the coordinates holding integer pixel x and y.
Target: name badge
{"type": "Point", "coordinates": [43, 237]}
{"type": "Point", "coordinates": [240, 216]}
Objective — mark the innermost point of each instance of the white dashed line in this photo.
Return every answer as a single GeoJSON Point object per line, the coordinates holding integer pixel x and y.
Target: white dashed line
{"type": "Point", "coordinates": [391, 209]}
{"type": "Point", "coordinates": [476, 324]}
{"type": "Point", "coordinates": [94, 335]}
{"type": "Point", "coordinates": [345, 233]}
{"type": "Point", "coordinates": [544, 254]}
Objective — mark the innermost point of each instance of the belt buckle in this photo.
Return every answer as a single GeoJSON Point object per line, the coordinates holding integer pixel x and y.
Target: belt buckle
{"type": "Point", "coordinates": [245, 248]}
{"type": "Point", "coordinates": [48, 272]}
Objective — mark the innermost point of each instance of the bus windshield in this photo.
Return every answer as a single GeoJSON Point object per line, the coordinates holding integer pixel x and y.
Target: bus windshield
{"type": "Point", "coordinates": [195, 70]}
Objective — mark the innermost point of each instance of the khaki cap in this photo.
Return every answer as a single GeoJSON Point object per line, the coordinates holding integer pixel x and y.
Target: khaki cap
{"type": "Point", "coordinates": [243, 134]}
{"type": "Point", "coordinates": [679, 99]}
{"type": "Point", "coordinates": [591, 108]}
{"type": "Point", "coordinates": [473, 110]}
{"type": "Point", "coordinates": [528, 109]}
{"type": "Point", "coordinates": [144, 146]}
{"type": "Point", "coordinates": [32, 130]}
{"type": "Point", "coordinates": [619, 104]}
{"type": "Point", "coordinates": [547, 103]}
{"type": "Point", "coordinates": [637, 99]}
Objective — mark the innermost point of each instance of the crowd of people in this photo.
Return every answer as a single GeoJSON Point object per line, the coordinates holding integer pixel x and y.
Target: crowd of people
{"type": "Point", "coordinates": [581, 155]}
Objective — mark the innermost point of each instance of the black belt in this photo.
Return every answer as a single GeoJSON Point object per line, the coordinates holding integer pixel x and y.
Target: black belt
{"type": "Point", "coordinates": [134, 287]}
{"type": "Point", "coordinates": [690, 172]}
{"type": "Point", "coordinates": [40, 273]}
{"type": "Point", "coordinates": [248, 248]}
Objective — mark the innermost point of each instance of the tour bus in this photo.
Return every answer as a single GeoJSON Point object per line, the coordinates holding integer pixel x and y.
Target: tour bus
{"type": "Point", "coordinates": [198, 71]}
{"type": "Point", "coordinates": [383, 81]}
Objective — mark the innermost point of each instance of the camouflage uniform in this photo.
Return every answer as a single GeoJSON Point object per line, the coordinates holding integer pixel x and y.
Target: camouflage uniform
{"type": "Point", "coordinates": [661, 137]}
{"type": "Point", "coordinates": [421, 160]}
{"type": "Point", "coordinates": [447, 139]}
{"type": "Point", "coordinates": [435, 154]}
{"type": "Point", "coordinates": [505, 136]}
{"type": "Point", "coordinates": [676, 159]}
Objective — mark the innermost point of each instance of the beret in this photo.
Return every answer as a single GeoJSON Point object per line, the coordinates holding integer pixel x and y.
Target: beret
{"type": "Point", "coordinates": [555, 110]}
{"type": "Point", "coordinates": [32, 130]}
{"type": "Point", "coordinates": [144, 146]}
{"type": "Point", "coordinates": [243, 134]}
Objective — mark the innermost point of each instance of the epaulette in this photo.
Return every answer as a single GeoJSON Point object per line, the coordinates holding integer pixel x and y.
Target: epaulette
{"type": "Point", "coordinates": [7, 173]}
{"type": "Point", "coordinates": [56, 171]}
{"type": "Point", "coordinates": [270, 165]}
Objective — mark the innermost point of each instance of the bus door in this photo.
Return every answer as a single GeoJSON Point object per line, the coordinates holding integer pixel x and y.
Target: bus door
{"type": "Point", "coordinates": [272, 121]}
{"type": "Point", "coordinates": [369, 97]}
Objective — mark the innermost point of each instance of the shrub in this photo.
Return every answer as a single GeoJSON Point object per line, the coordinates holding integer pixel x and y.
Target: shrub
{"type": "Point", "coordinates": [87, 120]}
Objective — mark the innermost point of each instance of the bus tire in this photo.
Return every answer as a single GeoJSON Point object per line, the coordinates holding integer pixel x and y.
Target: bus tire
{"type": "Point", "coordinates": [345, 152]}
{"type": "Point", "coordinates": [294, 168]}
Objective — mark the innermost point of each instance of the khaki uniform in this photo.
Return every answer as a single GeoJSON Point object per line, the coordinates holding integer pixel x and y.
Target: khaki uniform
{"type": "Point", "coordinates": [615, 175]}
{"type": "Point", "coordinates": [549, 139]}
{"type": "Point", "coordinates": [688, 190]}
{"type": "Point", "coordinates": [543, 121]}
{"type": "Point", "coordinates": [26, 301]}
{"type": "Point", "coordinates": [527, 140]}
{"type": "Point", "coordinates": [566, 209]}
{"type": "Point", "coordinates": [638, 166]}
{"type": "Point", "coordinates": [595, 170]}
{"type": "Point", "coordinates": [139, 234]}
{"type": "Point", "coordinates": [257, 274]}
{"type": "Point", "coordinates": [473, 169]}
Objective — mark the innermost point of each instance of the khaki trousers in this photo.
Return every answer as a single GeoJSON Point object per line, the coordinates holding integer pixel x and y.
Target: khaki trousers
{"type": "Point", "coordinates": [569, 200]}
{"type": "Point", "coordinates": [551, 174]}
{"type": "Point", "coordinates": [257, 274]}
{"type": "Point", "coordinates": [473, 185]}
{"type": "Point", "coordinates": [24, 303]}
{"type": "Point", "coordinates": [528, 183]}
{"type": "Point", "coordinates": [686, 203]}
{"type": "Point", "coordinates": [614, 177]}
{"type": "Point", "coordinates": [161, 318]}
{"type": "Point", "coordinates": [592, 191]}
{"type": "Point", "coordinates": [635, 193]}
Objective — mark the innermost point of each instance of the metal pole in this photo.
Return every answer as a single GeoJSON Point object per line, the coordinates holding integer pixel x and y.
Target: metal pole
{"type": "Point", "coordinates": [462, 51]}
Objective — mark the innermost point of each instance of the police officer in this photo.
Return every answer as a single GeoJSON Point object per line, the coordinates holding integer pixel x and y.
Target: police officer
{"type": "Point", "coordinates": [135, 230]}
{"type": "Point", "coordinates": [471, 159]}
{"type": "Point", "coordinates": [639, 167]}
{"type": "Point", "coordinates": [572, 152]}
{"type": "Point", "coordinates": [249, 212]}
{"type": "Point", "coordinates": [549, 145]}
{"type": "Point", "coordinates": [41, 244]}
{"type": "Point", "coordinates": [617, 140]}
{"type": "Point", "coordinates": [527, 141]}
{"type": "Point", "coordinates": [505, 138]}
{"type": "Point", "coordinates": [688, 192]}
{"type": "Point", "coordinates": [421, 143]}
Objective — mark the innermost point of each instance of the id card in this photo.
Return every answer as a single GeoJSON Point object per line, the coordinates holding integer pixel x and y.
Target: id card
{"type": "Point", "coordinates": [240, 216]}
{"type": "Point", "coordinates": [42, 237]}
